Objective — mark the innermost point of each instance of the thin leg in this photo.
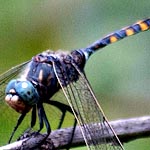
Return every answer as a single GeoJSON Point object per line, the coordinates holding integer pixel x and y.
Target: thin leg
{"type": "Point", "coordinates": [42, 118]}
{"type": "Point", "coordinates": [33, 116]}
{"type": "Point", "coordinates": [33, 121]}
{"type": "Point", "coordinates": [20, 119]}
{"type": "Point", "coordinates": [40, 115]}
{"type": "Point", "coordinates": [62, 107]}
{"type": "Point", "coordinates": [72, 135]}
{"type": "Point", "coordinates": [61, 119]}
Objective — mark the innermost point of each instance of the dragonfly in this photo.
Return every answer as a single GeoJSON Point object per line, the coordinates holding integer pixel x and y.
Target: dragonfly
{"type": "Point", "coordinates": [26, 87]}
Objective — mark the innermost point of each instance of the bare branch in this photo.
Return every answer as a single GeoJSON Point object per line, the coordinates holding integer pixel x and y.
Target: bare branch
{"type": "Point", "coordinates": [126, 129]}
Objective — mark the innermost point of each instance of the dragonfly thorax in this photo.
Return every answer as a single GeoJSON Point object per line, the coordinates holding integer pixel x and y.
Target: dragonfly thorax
{"type": "Point", "coordinates": [41, 74]}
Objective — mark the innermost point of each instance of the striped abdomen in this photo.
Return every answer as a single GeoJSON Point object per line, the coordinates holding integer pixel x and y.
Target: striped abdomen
{"type": "Point", "coordinates": [140, 26]}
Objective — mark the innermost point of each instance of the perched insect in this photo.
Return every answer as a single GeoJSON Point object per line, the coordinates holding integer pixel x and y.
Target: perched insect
{"type": "Point", "coordinates": [49, 72]}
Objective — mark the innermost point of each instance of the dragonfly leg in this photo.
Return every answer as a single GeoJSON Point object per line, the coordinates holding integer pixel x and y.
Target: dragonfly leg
{"type": "Point", "coordinates": [72, 135]}
{"type": "Point", "coordinates": [20, 119]}
{"type": "Point", "coordinates": [42, 118]}
{"type": "Point", "coordinates": [33, 116]}
{"type": "Point", "coordinates": [27, 133]}
{"type": "Point", "coordinates": [64, 108]}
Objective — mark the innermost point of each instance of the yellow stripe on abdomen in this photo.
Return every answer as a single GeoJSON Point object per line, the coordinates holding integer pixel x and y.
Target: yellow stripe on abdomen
{"type": "Point", "coordinates": [143, 25]}
{"type": "Point", "coordinates": [113, 39]}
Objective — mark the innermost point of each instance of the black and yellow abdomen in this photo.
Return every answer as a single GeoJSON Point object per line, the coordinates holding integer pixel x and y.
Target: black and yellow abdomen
{"type": "Point", "coordinates": [139, 26]}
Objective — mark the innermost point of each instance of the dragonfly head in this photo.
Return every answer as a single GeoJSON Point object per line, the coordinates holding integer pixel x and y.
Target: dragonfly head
{"type": "Point", "coordinates": [21, 95]}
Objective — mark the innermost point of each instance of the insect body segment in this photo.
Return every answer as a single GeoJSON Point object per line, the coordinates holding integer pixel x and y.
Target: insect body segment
{"type": "Point", "coordinates": [140, 26]}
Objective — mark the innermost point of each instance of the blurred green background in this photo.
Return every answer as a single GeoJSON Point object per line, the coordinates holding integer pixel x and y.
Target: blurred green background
{"type": "Point", "coordinates": [119, 75]}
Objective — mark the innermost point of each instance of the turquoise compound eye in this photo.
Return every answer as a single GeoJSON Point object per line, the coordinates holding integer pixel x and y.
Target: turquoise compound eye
{"type": "Point", "coordinates": [25, 90]}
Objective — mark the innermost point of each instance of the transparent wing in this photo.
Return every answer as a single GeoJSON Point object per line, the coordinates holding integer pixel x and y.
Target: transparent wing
{"type": "Point", "coordinates": [87, 111]}
{"type": "Point", "coordinates": [7, 76]}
